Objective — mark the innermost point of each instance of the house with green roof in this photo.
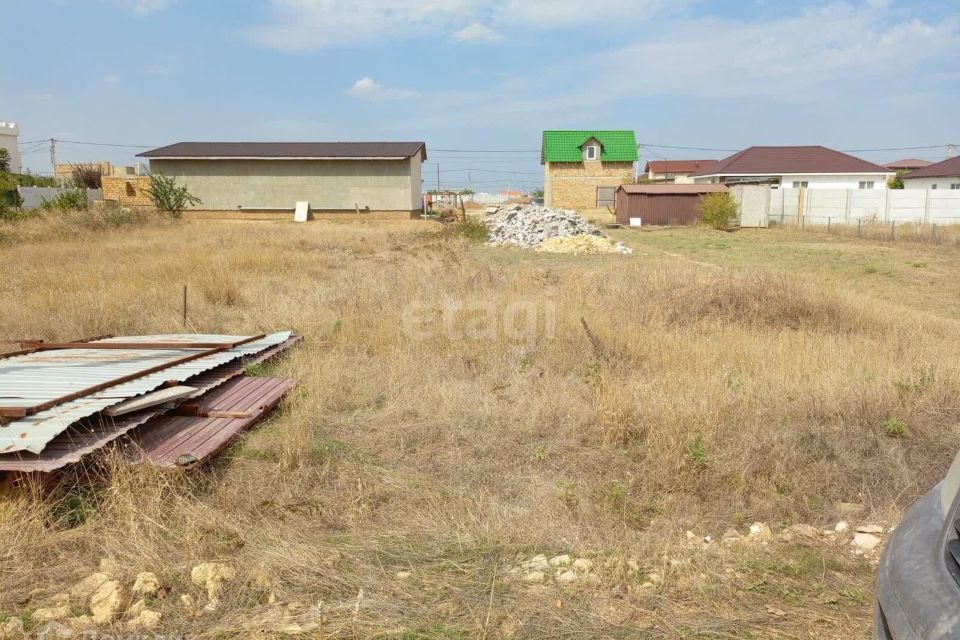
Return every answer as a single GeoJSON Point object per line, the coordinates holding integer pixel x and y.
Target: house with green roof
{"type": "Point", "coordinates": [582, 169]}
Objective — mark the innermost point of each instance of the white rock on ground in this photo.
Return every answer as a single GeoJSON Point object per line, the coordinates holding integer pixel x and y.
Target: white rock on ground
{"type": "Point", "coordinates": [841, 526]}
{"type": "Point", "coordinates": [560, 561]}
{"type": "Point", "coordinates": [86, 587]}
{"type": "Point", "coordinates": [538, 563]}
{"type": "Point", "coordinates": [870, 528]}
{"type": "Point", "coordinates": [583, 564]}
{"type": "Point", "coordinates": [146, 584]}
{"type": "Point", "coordinates": [145, 620]}
{"type": "Point", "coordinates": [805, 531]}
{"type": "Point", "coordinates": [866, 541]}
{"type": "Point", "coordinates": [528, 226]}
{"type": "Point", "coordinates": [107, 602]}
{"type": "Point", "coordinates": [211, 576]}
{"type": "Point", "coordinates": [760, 531]}
{"type": "Point", "coordinates": [534, 577]}
{"type": "Point", "coordinates": [567, 577]}
{"type": "Point", "coordinates": [50, 614]}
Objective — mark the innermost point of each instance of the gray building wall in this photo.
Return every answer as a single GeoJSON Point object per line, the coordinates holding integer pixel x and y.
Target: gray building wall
{"type": "Point", "coordinates": [331, 185]}
{"type": "Point", "coordinates": [9, 135]}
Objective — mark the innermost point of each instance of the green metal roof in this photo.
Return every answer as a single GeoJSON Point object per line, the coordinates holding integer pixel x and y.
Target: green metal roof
{"type": "Point", "coordinates": [564, 146]}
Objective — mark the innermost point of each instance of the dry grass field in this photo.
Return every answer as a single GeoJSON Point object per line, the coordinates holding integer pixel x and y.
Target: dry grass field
{"type": "Point", "coordinates": [477, 406]}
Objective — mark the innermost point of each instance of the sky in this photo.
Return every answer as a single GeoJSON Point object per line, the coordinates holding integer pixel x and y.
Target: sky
{"type": "Point", "coordinates": [478, 80]}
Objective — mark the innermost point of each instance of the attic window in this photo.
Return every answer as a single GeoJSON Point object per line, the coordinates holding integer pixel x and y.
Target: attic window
{"type": "Point", "coordinates": [592, 152]}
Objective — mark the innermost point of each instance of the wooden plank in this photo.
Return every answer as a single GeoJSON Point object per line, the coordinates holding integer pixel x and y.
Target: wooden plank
{"type": "Point", "coordinates": [20, 412]}
{"type": "Point", "coordinates": [167, 394]}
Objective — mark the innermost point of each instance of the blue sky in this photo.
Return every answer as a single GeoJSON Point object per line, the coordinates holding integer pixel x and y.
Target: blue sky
{"type": "Point", "coordinates": [483, 74]}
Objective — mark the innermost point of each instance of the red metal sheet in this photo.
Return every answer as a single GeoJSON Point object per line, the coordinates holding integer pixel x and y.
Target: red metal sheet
{"type": "Point", "coordinates": [172, 440]}
{"type": "Point", "coordinates": [93, 433]}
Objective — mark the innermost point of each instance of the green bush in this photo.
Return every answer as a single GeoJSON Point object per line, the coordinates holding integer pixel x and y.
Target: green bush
{"type": "Point", "coordinates": [719, 210]}
{"type": "Point", "coordinates": [169, 197]}
{"type": "Point", "coordinates": [70, 200]}
{"type": "Point", "coordinates": [470, 229]}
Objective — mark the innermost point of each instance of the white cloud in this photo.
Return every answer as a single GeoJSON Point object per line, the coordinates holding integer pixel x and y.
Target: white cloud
{"type": "Point", "coordinates": [143, 7]}
{"type": "Point", "coordinates": [111, 79]}
{"type": "Point", "coordinates": [309, 25]}
{"type": "Point", "coordinates": [477, 32]}
{"type": "Point", "coordinates": [369, 89]}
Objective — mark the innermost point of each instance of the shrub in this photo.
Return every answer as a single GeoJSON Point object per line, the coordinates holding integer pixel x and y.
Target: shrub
{"type": "Point", "coordinates": [719, 210]}
{"type": "Point", "coordinates": [469, 229]}
{"type": "Point", "coordinates": [68, 200]}
{"type": "Point", "coordinates": [895, 428]}
{"type": "Point", "coordinates": [169, 197]}
{"type": "Point", "coordinates": [87, 176]}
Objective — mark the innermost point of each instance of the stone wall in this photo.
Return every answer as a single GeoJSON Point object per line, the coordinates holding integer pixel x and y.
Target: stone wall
{"type": "Point", "coordinates": [129, 191]}
{"type": "Point", "coordinates": [573, 185]}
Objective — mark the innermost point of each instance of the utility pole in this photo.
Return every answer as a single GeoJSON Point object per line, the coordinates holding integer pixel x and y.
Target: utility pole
{"type": "Point", "coordinates": [53, 156]}
{"type": "Point", "coordinates": [469, 181]}
{"type": "Point", "coordinates": [438, 178]}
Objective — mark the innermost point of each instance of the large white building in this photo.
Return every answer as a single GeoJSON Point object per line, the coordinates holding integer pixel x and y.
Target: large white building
{"type": "Point", "coordinates": [9, 138]}
{"type": "Point", "coordinates": [812, 167]}
{"type": "Point", "coordinates": [942, 175]}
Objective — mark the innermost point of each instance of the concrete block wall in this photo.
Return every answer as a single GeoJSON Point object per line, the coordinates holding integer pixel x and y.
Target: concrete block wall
{"type": "Point", "coordinates": [573, 185]}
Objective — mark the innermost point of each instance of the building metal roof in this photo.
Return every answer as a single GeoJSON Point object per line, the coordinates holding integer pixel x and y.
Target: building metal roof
{"type": "Point", "coordinates": [786, 160]}
{"type": "Point", "coordinates": [908, 164]}
{"type": "Point", "coordinates": [180, 440]}
{"type": "Point", "coordinates": [949, 168]}
{"type": "Point", "coordinates": [672, 189]}
{"type": "Point", "coordinates": [287, 151]}
{"type": "Point", "coordinates": [90, 434]}
{"type": "Point", "coordinates": [34, 378]}
{"type": "Point", "coordinates": [678, 166]}
{"type": "Point", "coordinates": [565, 146]}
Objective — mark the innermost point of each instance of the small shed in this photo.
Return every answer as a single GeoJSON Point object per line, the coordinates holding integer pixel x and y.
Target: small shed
{"type": "Point", "coordinates": [661, 204]}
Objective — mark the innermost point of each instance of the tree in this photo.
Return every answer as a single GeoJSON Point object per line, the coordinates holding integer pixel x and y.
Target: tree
{"type": "Point", "coordinates": [4, 161]}
{"type": "Point", "coordinates": [170, 197]}
{"type": "Point", "coordinates": [896, 181]}
{"type": "Point", "coordinates": [718, 209]}
{"type": "Point", "coordinates": [536, 193]}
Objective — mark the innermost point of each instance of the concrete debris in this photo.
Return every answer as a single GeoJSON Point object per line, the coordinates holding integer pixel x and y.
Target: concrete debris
{"type": "Point", "coordinates": [806, 531]}
{"type": "Point", "coordinates": [760, 532]}
{"type": "Point", "coordinates": [841, 526]}
{"type": "Point", "coordinates": [583, 564]}
{"type": "Point", "coordinates": [49, 614]}
{"type": "Point", "coordinates": [89, 585]}
{"type": "Point", "coordinates": [529, 226]}
{"type": "Point", "coordinates": [534, 577]}
{"type": "Point", "coordinates": [403, 575]}
{"type": "Point", "coordinates": [582, 245]}
{"type": "Point", "coordinates": [566, 577]}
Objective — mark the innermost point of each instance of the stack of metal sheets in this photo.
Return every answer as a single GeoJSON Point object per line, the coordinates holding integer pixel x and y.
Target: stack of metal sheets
{"type": "Point", "coordinates": [60, 402]}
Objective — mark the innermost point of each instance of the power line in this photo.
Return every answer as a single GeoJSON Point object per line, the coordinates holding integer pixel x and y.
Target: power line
{"type": "Point", "coordinates": [484, 150]}
{"type": "Point", "coordinates": [108, 144]}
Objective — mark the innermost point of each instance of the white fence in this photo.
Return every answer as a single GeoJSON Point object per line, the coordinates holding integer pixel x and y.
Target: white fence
{"type": "Point", "coordinates": [762, 205]}
{"type": "Point", "coordinates": [33, 197]}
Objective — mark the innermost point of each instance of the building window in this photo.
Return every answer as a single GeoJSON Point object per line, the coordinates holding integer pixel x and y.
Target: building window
{"type": "Point", "coordinates": [933, 186]}
{"type": "Point", "coordinates": [800, 184]}
{"type": "Point", "coordinates": [866, 184]}
{"type": "Point", "coordinates": [592, 152]}
{"type": "Point", "coordinates": [955, 186]}
{"type": "Point", "coordinates": [605, 196]}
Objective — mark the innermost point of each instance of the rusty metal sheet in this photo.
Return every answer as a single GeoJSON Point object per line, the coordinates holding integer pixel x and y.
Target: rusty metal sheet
{"type": "Point", "coordinates": [181, 440]}
{"type": "Point", "coordinates": [95, 432]}
{"type": "Point", "coordinates": [30, 379]}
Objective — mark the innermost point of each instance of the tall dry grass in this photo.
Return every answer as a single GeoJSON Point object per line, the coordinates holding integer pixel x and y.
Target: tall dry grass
{"type": "Point", "coordinates": [657, 398]}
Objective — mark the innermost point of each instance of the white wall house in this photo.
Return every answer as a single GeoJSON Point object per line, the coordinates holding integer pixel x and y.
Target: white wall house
{"type": "Point", "coordinates": [9, 136]}
{"type": "Point", "coordinates": [808, 167]}
{"type": "Point", "coordinates": [942, 175]}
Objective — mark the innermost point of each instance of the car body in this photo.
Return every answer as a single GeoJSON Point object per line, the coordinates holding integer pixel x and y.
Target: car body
{"type": "Point", "coordinates": [918, 581]}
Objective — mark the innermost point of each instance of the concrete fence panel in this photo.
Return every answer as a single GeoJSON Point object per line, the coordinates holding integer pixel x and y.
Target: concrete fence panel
{"type": "Point", "coordinates": [33, 197]}
{"type": "Point", "coordinates": [868, 204]}
{"type": "Point", "coordinates": [943, 206]}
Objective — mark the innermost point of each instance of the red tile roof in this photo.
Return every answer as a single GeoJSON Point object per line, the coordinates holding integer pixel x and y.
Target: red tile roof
{"type": "Point", "coordinates": [678, 166]}
{"type": "Point", "coordinates": [908, 163]}
{"type": "Point", "coordinates": [949, 168]}
{"type": "Point", "coordinates": [780, 160]}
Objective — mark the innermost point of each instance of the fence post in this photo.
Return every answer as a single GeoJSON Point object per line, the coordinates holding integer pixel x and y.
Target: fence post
{"type": "Point", "coordinates": [828, 223]}
{"type": "Point", "coordinates": [859, 222]}
{"type": "Point", "coordinates": [933, 233]}
{"type": "Point", "coordinates": [893, 230]}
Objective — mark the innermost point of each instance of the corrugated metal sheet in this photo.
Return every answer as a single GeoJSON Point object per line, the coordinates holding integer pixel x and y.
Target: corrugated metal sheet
{"type": "Point", "coordinates": [34, 378]}
{"type": "Point", "coordinates": [93, 433]}
{"type": "Point", "coordinates": [172, 440]}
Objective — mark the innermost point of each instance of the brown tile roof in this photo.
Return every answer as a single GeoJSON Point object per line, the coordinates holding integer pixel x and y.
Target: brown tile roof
{"type": "Point", "coordinates": [672, 188]}
{"type": "Point", "coordinates": [908, 163]}
{"type": "Point", "coordinates": [288, 150]}
{"type": "Point", "coordinates": [780, 160]}
{"type": "Point", "coordinates": [678, 166]}
{"type": "Point", "coordinates": [949, 168]}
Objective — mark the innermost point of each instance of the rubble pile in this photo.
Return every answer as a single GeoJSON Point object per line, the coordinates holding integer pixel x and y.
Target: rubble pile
{"type": "Point", "coordinates": [530, 226]}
